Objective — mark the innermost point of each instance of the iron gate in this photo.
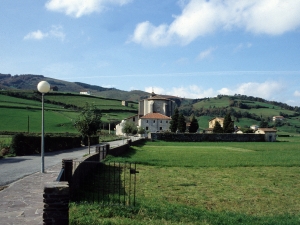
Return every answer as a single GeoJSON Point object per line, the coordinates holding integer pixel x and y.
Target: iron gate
{"type": "Point", "coordinates": [105, 183]}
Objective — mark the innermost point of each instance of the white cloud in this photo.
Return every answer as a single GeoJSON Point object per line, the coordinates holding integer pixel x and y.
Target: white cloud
{"type": "Point", "coordinates": [192, 91]}
{"type": "Point", "coordinates": [78, 8]}
{"type": "Point", "coordinates": [54, 32]}
{"type": "Point", "coordinates": [297, 93]}
{"type": "Point", "coordinates": [206, 53]}
{"type": "Point", "coordinates": [266, 90]}
{"type": "Point", "coordinates": [202, 17]}
{"type": "Point", "coordinates": [37, 35]}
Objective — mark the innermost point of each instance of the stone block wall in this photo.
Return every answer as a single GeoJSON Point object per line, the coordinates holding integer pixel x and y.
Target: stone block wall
{"type": "Point", "coordinates": [56, 203]}
{"type": "Point", "coordinates": [208, 137]}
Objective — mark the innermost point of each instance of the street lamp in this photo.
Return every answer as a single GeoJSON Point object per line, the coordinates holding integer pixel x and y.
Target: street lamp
{"type": "Point", "coordinates": [43, 87]}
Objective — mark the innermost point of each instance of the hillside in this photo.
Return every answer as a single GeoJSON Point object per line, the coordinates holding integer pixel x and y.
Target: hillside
{"type": "Point", "coordinates": [19, 108]}
{"type": "Point", "coordinates": [245, 111]}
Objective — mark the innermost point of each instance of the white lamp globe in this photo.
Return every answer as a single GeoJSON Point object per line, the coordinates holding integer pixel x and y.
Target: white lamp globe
{"type": "Point", "coordinates": [43, 87]}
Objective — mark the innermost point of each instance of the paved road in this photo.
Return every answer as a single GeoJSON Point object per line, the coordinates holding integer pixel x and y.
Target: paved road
{"type": "Point", "coordinates": [14, 168]}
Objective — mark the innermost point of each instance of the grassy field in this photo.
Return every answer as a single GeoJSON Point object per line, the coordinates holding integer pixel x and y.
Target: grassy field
{"type": "Point", "coordinates": [23, 115]}
{"type": "Point", "coordinates": [208, 183]}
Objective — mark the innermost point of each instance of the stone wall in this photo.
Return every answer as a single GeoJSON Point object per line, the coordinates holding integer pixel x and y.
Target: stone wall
{"type": "Point", "coordinates": [208, 137]}
{"type": "Point", "coordinates": [56, 203]}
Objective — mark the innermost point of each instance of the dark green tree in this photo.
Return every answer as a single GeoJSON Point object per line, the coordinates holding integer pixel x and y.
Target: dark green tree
{"type": "Point", "coordinates": [218, 128]}
{"type": "Point", "coordinates": [181, 123]}
{"type": "Point", "coordinates": [88, 121]}
{"type": "Point", "coordinates": [174, 121]}
{"type": "Point", "coordinates": [263, 124]}
{"type": "Point", "coordinates": [129, 128]}
{"type": "Point", "coordinates": [194, 125]}
{"type": "Point", "coordinates": [228, 124]}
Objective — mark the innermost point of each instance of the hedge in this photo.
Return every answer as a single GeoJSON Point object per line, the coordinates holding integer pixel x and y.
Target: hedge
{"type": "Point", "coordinates": [25, 144]}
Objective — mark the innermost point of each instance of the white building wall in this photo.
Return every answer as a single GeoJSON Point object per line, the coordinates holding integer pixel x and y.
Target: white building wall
{"type": "Point", "coordinates": [154, 125]}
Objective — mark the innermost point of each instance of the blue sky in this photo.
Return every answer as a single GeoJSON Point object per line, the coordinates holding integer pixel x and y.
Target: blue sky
{"type": "Point", "coordinates": [187, 48]}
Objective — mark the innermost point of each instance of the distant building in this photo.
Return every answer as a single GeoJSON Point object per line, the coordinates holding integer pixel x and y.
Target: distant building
{"type": "Point", "coordinates": [154, 114]}
{"type": "Point", "coordinates": [278, 118]}
{"type": "Point", "coordinates": [212, 122]}
{"type": "Point", "coordinates": [124, 103]}
{"type": "Point", "coordinates": [270, 133]}
{"type": "Point", "coordinates": [85, 93]}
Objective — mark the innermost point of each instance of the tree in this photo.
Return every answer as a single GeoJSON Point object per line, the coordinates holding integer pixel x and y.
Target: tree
{"type": "Point", "coordinates": [218, 128]}
{"type": "Point", "coordinates": [228, 125]}
{"type": "Point", "coordinates": [141, 130]}
{"type": "Point", "coordinates": [181, 123]}
{"type": "Point", "coordinates": [129, 128]}
{"type": "Point", "coordinates": [174, 121]}
{"type": "Point", "coordinates": [263, 124]}
{"type": "Point", "coordinates": [194, 125]}
{"type": "Point", "coordinates": [88, 121]}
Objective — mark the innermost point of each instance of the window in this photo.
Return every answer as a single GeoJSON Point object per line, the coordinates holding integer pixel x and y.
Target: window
{"type": "Point", "coordinates": [161, 121]}
{"type": "Point", "coordinates": [160, 128]}
{"type": "Point", "coordinates": [167, 121]}
{"type": "Point", "coordinates": [147, 121]}
{"type": "Point", "coordinates": [146, 128]}
{"type": "Point", "coordinates": [153, 121]}
{"type": "Point", "coordinates": [133, 119]}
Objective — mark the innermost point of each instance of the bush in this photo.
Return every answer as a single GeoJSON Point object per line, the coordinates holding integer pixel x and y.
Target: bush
{"type": "Point", "coordinates": [31, 144]}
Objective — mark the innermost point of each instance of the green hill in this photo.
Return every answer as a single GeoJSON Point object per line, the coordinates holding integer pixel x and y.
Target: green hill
{"type": "Point", "coordinates": [245, 111]}
{"type": "Point", "coordinates": [20, 111]}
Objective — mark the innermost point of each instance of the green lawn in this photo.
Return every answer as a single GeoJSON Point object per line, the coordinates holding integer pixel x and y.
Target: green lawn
{"type": "Point", "coordinates": [208, 183]}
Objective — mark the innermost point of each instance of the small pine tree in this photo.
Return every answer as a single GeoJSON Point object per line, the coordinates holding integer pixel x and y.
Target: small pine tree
{"type": "Point", "coordinates": [228, 125]}
{"type": "Point", "coordinates": [194, 125]}
{"type": "Point", "coordinates": [218, 128]}
{"type": "Point", "coordinates": [181, 123]}
{"type": "Point", "coordinates": [174, 121]}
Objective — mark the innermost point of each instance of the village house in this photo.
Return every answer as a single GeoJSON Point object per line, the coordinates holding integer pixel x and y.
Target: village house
{"type": "Point", "coordinates": [270, 133]}
{"type": "Point", "coordinates": [154, 114]}
{"type": "Point", "coordinates": [212, 122]}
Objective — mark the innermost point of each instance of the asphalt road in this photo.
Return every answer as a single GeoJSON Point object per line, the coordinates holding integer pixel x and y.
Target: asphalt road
{"type": "Point", "coordinates": [15, 168]}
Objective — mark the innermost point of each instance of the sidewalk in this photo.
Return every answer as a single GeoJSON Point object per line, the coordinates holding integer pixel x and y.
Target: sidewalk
{"type": "Point", "coordinates": [22, 202]}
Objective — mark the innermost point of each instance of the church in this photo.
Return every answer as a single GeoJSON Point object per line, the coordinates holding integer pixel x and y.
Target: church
{"type": "Point", "coordinates": [154, 114]}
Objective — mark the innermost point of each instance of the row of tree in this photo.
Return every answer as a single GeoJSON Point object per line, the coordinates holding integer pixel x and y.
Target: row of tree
{"type": "Point", "coordinates": [178, 123]}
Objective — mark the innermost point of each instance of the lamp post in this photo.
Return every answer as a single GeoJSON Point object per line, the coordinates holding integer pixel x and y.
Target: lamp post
{"type": "Point", "coordinates": [43, 87]}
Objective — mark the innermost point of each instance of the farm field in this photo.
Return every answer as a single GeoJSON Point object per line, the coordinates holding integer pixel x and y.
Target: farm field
{"type": "Point", "coordinates": [208, 183]}
{"type": "Point", "coordinates": [23, 115]}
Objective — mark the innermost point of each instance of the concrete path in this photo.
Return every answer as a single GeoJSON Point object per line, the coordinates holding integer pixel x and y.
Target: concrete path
{"type": "Point", "coordinates": [22, 201]}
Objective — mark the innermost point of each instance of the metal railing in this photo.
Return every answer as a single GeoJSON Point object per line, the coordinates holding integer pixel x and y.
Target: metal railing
{"type": "Point", "coordinates": [106, 183]}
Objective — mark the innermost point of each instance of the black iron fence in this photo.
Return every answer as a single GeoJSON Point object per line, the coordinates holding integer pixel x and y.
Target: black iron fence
{"type": "Point", "coordinates": [105, 183]}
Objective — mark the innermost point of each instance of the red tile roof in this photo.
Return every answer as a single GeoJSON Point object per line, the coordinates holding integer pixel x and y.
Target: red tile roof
{"type": "Point", "coordinates": [155, 116]}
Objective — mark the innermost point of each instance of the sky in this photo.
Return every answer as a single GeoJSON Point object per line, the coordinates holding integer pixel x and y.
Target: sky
{"type": "Point", "coordinates": [186, 48]}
